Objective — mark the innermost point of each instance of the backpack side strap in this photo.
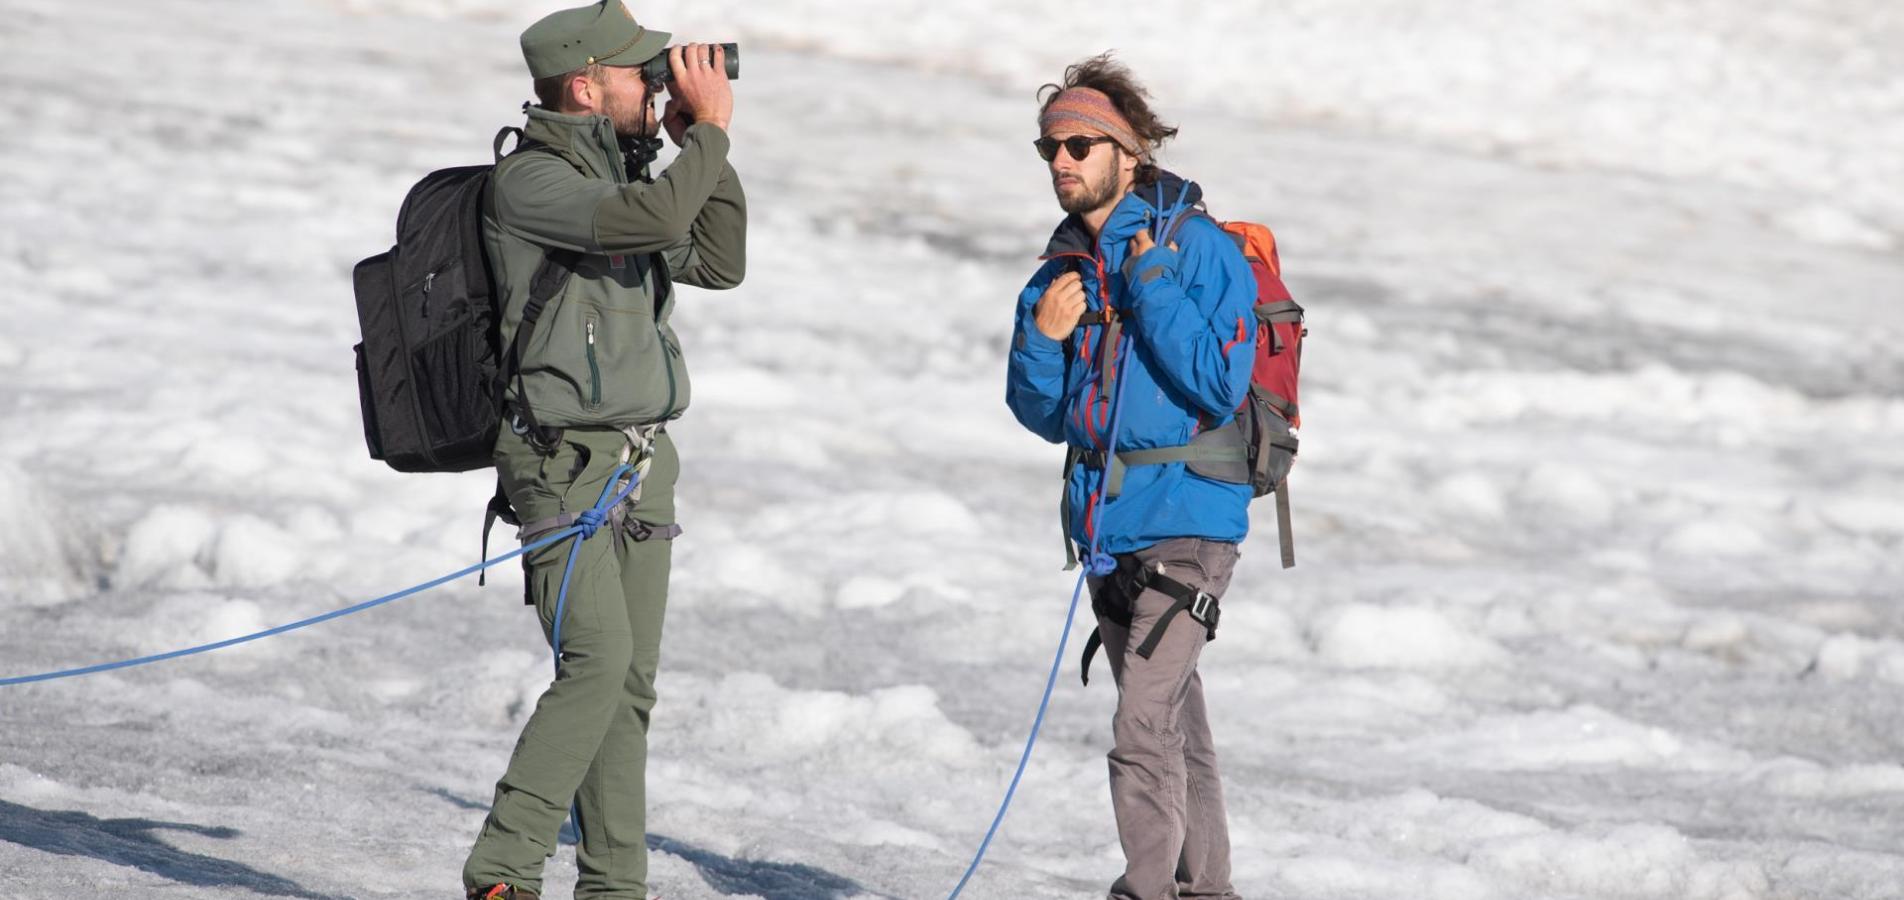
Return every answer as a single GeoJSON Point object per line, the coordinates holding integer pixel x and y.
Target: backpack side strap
{"type": "Point", "coordinates": [499, 508]}
{"type": "Point", "coordinates": [1285, 537]}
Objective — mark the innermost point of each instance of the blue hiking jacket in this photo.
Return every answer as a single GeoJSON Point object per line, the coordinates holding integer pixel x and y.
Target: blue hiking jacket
{"type": "Point", "coordinates": [1189, 313]}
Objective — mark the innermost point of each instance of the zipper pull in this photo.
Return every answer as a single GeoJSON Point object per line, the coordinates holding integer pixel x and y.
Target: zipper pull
{"type": "Point", "coordinates": [591, 334]}
{"type": "Point", "coordinates": [428, 282]}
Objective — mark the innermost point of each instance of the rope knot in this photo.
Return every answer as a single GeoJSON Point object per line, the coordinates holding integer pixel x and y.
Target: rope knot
{"type": "Point", "coordinates": [1100, 564]}
{"type": "Point", "coordinates": [590, 521]}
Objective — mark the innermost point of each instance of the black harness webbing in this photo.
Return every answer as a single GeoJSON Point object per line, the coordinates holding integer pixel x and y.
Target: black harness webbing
{"type": "Point", "coordinates": [1202, 606]}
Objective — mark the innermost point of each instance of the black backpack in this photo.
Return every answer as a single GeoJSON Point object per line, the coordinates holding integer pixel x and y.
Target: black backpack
{"type": "Point", "coordinates": [431, 367]}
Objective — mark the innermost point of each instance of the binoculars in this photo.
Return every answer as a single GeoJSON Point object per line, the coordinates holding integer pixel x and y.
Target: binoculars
{"type": "Point", "coordinates": [656, 70]}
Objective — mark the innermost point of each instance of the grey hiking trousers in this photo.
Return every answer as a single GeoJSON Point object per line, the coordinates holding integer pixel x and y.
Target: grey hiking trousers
{"type": "Point", "coordinates": [1164, 784]}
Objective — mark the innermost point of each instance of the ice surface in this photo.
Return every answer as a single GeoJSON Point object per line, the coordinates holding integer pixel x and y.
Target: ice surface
{"type": "Point", "coordinates": [1600, 512]}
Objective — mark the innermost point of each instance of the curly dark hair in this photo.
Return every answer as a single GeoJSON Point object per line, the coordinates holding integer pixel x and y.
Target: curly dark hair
{"type": "Point", "coordinates": [1104, 73]}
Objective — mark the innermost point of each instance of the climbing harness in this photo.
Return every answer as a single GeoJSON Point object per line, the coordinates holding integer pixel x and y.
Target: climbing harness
{"type": "Point", "coordinates": [1201, 606]}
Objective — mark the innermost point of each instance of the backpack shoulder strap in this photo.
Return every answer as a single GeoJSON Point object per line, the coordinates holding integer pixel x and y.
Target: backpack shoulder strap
{"type": "Point", "coordinates": [502, 136]}
{"type": "Point", "coordinates": [524, 144]}
{"type": "Point", "coordinates": [550, 277]}
{"type": "Point", "coordinates": [1175, 225]}
{"type": "Point", "coordinates": [1253, 240]}
{"type": "Point", "coordinates": [548, 281]}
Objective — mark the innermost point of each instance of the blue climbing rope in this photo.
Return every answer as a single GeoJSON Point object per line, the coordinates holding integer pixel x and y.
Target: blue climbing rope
{"type": "Point", "coordinates": [588, 522]}
{"type": "Point", "coordinates": [1095, 563]}
{"type": "Point", "coordinates": [1051, 682]}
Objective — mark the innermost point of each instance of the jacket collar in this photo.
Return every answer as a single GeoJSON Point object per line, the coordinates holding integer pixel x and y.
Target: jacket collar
{"type": "Point", "coordinates": [588, 142]}
{"type": "Point", "coordinates": [1134, 211]}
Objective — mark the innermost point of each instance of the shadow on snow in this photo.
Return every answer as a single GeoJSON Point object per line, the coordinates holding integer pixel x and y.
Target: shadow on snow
{"type": "Point", "coordinates": [781, 881]}
{"type": "Point", "coordinates": [131, 842]}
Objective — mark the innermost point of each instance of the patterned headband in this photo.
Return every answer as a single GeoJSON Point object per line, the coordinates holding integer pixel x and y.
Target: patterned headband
{"type": "Point", "coordinates": [1090, 111]}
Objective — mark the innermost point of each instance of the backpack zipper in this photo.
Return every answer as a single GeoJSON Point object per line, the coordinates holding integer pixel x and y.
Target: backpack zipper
{"type": "Point", "coordinates": [594, 370]}
{"type": "Point", "coordinates": [429, 282]}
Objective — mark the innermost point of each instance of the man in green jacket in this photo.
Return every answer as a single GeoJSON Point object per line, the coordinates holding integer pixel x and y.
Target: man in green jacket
{"type": "Point", "coordinates": [601, 375]}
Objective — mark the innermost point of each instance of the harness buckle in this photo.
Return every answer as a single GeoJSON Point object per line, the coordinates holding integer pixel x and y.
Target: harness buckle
{"type": "Point", "coordinates": [1206, 612]}
{"type": "Point", "coordinates": [1203, 608]}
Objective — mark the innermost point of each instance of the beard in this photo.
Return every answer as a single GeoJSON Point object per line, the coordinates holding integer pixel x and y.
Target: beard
{"type": "Point", "coordinates": [633, 116]}
{"type": "Point", "coordinates": [1089, 195]}
{"type": "Point", "coordinates": [635, 124]}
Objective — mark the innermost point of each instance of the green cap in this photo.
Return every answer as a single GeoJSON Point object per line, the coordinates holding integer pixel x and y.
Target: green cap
{"type": "Point", "coordinates": [604, 33]}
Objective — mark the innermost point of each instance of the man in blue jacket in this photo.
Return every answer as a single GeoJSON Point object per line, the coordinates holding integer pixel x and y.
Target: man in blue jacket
{"type": "Point", "coordinates": [1135, 347]}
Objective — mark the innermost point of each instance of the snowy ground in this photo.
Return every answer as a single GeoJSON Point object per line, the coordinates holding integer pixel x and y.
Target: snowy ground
{"type": "Point", "coordinates": [1601, 508]}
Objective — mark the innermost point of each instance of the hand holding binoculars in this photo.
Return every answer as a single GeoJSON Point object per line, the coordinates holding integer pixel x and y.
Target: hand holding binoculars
{"type": "Point", "coordinates": [657, 71]}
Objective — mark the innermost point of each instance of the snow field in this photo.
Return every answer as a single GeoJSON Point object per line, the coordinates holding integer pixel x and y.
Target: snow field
{"type": "Point", "coordinates": [1598, 512]}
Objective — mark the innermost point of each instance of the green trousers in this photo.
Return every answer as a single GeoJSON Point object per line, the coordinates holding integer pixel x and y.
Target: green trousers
{"type": "Point", "coordinates": [587, 740]}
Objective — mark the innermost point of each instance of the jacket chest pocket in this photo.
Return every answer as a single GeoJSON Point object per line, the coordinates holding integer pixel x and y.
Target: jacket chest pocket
{"type": "Point", "coordinates": [616, 357]}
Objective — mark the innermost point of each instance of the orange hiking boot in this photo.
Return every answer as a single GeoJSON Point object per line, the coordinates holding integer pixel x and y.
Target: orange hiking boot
{"type": "Point", "coordinates": [502, 892]}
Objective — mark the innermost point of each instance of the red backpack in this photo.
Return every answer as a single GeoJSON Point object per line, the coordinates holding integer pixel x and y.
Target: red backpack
{"type": "Point", "coordinates": [1268, 419]}
{"type": "Point", "coordinates": [1271, 405]}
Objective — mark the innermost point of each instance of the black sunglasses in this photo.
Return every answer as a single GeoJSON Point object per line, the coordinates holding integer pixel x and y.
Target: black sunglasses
{"type": "Point", "coordinates": [1077, 145]}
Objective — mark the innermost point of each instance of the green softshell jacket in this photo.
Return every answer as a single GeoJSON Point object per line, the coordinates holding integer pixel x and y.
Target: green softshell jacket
{"type": "Point", "coordinates": [602, 353]}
